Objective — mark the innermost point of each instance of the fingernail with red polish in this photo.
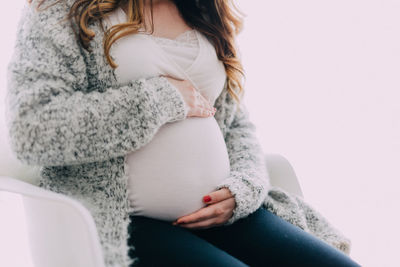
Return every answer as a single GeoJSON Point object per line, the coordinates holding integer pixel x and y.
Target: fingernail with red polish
{"type": "Point", "coordinates": [207, 198]}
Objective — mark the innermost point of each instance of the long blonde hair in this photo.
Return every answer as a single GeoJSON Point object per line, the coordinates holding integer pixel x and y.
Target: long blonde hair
{"type": "Point", "coordinates": [216, 19]}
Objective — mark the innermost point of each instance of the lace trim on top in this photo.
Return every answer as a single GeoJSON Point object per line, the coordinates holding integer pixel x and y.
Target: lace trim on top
{"type": "Point", "coordinates": [187, 38]}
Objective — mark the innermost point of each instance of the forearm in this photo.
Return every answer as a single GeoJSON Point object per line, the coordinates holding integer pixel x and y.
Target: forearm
{"type": "Point", "coordinates": [248, 180]}
{"type": "Point", "coordinates": [90, 127]}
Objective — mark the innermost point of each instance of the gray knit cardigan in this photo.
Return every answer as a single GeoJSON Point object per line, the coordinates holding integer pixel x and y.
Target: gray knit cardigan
{"type": "Point", "coordinates": [67, 113]}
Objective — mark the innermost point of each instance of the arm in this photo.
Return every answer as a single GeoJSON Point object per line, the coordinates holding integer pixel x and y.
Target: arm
{"type": "Point", "coordinates": [53, 120]}
{"type": "Point", "coordinates": [248, 180]}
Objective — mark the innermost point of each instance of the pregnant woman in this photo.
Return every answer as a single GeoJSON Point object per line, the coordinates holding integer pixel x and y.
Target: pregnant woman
{"type": "Point", "coordinates": [132, 108]}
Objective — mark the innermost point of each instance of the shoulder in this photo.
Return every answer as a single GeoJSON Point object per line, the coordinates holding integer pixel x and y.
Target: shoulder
{"type": "Point", "coordinates": [46, 14]}
{"type": "Point", "coordinates": [46, 21]}
{"type": "Point", "coordinates": [46, 46]}
{"type": "Point", "coordinates": [44, 30]}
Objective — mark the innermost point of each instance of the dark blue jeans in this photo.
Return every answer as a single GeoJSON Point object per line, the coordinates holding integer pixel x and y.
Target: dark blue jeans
{"type": "Point", "coordinates": [260, 239]}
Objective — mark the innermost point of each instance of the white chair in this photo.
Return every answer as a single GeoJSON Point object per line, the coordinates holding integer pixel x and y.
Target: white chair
{"type": "Point", "coordinates": [62, 232]}
{"type": "Point", "coordinates": [282, 174]}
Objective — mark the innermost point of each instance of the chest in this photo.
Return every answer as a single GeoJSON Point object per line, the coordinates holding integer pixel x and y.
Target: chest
{"type": "Point", "coordinates": [190, 56]}
{"type": "Point", "coordinates": [101, 76]}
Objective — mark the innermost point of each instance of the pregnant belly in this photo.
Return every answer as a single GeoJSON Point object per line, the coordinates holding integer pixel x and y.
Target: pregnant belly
{"type": "Point", "coordinates": [184, 161]}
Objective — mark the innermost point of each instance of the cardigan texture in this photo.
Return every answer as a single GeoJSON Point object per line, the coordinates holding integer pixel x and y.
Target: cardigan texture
{"type": "Point", "coordinates": [67, 113]}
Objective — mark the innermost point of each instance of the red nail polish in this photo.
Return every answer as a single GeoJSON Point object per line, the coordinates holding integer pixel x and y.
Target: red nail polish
{"type": "Point", "coordinates": [207, 198]}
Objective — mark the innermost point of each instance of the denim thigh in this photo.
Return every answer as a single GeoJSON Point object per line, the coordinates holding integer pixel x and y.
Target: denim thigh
{"type": "Point", "coordinates": [265, 239]}
{"type": "Point", "coordinates": [159, 243]}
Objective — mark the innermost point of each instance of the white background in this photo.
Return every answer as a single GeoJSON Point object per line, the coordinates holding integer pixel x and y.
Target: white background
{"type": "Point", "coordinates": [323, 90]}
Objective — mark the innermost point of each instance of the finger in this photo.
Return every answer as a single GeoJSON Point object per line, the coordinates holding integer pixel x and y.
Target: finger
{"type": "Point", "coordinates": [202, 100]}
{"type": "Point", "coordinates": [205, 112]}
{"type": "Point", "coordinates": [201, 104]}
{"type": "Point", "coordinates": [208, 105]}
{"type": "Point", "coordinates": [198, 103]}
{"type": "Point", "coordinates": [221, 213]}
{"type": "Point", "coordinates": [202, 112]}
{"type": "Point", "coordinates": [206, 102]}
{"type": "Point", "coordinates": [205, 224]}
{"type": "Point", "coordinates": [201, 214]}
{"type": "Point", "coordinates": [217, 196]}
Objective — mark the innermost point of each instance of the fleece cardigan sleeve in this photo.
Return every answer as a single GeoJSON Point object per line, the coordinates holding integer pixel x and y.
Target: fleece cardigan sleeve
{"type": "Point", "coordinates": [52, 117]}
{"type": "Point", "coordinates": [248, 180]}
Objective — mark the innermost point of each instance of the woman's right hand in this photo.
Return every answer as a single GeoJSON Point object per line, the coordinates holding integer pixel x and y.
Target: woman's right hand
{"type": "Point", "coordinates": [198, 105]}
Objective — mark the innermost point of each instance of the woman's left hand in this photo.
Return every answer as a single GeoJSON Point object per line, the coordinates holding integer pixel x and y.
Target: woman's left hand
{"type": "Point", "coordinates": [217, 212]}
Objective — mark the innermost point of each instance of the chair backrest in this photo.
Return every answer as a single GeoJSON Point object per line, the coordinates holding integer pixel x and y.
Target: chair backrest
{"type": "Point", "coordinates": [61, 231]}
{"type": "Point", "coordinates": [282, 174]}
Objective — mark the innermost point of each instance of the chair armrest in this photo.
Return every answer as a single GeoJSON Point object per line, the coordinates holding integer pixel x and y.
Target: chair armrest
{"type": "Point", "coordinates": [282, 174]}
{"type": "Point", "coordinates": [61, 231]}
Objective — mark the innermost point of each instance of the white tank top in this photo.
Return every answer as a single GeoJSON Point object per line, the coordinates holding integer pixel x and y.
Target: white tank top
{"type": "Point", "coordinates": [186, 159]}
